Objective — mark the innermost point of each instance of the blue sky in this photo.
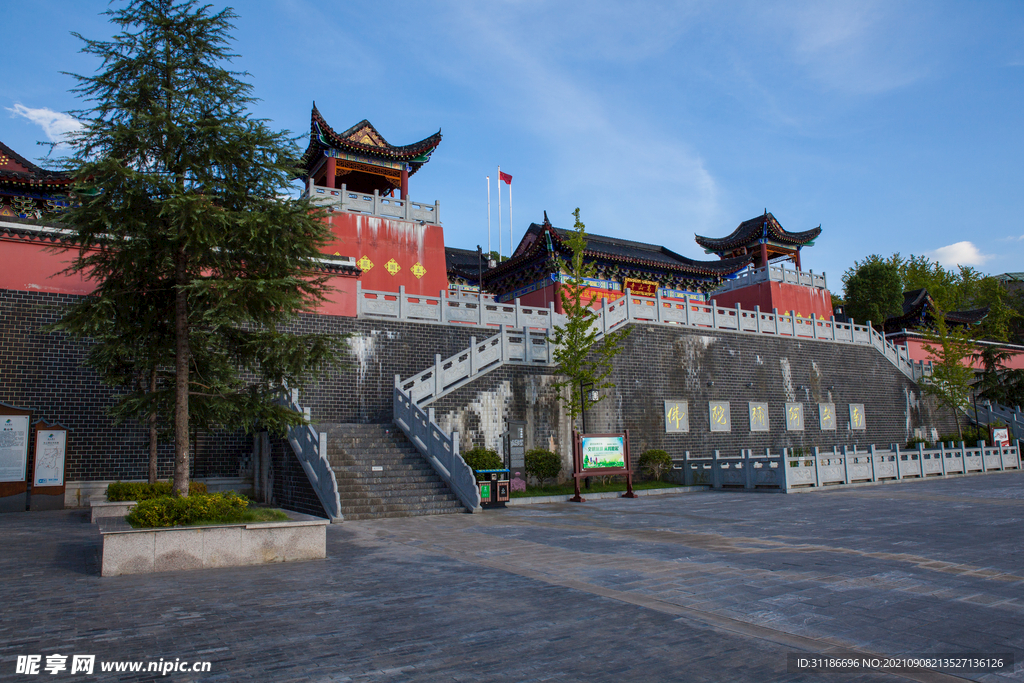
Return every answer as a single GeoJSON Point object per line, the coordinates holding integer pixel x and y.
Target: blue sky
{"type": "Point", "coordinates": [896, 126]}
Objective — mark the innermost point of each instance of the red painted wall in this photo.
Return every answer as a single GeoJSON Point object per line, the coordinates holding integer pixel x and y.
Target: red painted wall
{"type": "Point", "coordinates": [915, 346]}
{"type": "Point", "coordinates": [30, 266]}
{"type": "Point", "coordinates": [383, 239]}
{"type": "Point", "coordinates": [806, 301]}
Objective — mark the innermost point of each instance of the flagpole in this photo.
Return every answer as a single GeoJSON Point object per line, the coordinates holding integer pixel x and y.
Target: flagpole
{"type": "Point", "coordinates": [510, 228]}
{"type": "Point", "coordinates": [499, 213]}
{"type": "Point", "coordinates": [488, 216]}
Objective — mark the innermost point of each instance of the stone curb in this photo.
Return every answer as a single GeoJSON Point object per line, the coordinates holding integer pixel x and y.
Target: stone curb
{"type": "Point", "coordinates": [536, 500]}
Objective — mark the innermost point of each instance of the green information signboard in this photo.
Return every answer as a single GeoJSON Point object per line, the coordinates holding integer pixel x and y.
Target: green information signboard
{"type": "Point", "coordinates": [603, 451]}
{"type": "Point", "coordinates": [601, 454]}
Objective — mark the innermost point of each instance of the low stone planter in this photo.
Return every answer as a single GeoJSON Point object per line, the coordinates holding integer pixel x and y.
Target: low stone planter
{"type": "Point", "coordinates": [118, 508]}
{"type": "Point", "coordinates": [142, 551]}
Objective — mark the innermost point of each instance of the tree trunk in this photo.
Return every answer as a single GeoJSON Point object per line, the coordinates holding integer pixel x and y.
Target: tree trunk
{"type": "Point", "coordinates": [152, 429]}
{"type": "Point", "coordinates": [181, 383]}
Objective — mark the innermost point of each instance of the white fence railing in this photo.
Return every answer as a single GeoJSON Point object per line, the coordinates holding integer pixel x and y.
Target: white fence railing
{"type": "Point", "coordinates": [786, 470]}
{"type": "Point", "coordinates": [344, 199]}
{"type": "Point", "coordinates": [463, 310]}
{"type": "Point", "coordinates": [807, 278]}
{"type": "Point", "coordinates": [439, 448]}
{"type": "Point", "coordinates": [990, 413]}
{"type": "Point", "coordinates": [310, 448]}
{"type": "Point", "coordinates": [523, 347]}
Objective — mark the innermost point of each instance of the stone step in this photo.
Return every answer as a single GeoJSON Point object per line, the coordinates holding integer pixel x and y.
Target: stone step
{"type": "Point", "coordinates": [406, 484]}
{"type": "Point", "coordinates": [409, 509]}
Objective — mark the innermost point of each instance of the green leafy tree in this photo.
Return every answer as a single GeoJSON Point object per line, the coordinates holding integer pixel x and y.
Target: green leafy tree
{"type": "Point", "coordinates": [184, 230]}
{"type": "Point", "coordinates": [872, 290]}
{"type": "Point", "coordinates": [950, 383]}
{"type": "Point", "coordinates": [583, 357]}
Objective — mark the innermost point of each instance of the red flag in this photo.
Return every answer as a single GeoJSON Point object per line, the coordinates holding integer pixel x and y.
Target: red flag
{"type": "Point", "coordinates": [506, 177]}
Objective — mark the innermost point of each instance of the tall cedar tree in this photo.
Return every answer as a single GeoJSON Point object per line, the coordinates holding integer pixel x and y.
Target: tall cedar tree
{"type": "Point", "coordinates": [582, 355]}
{"type": "Point", "coordinates": [950, 349]}
{"type": "Point", "coordinates": [198, 260]}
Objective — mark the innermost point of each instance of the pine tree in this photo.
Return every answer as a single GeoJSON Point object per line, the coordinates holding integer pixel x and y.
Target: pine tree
{"type": "Point", "coordinates": [199, 262]}
{"type": "Point", "coordinates": [581, 356]}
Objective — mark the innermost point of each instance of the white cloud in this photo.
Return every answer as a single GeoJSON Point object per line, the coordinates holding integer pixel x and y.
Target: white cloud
{"type": "Point", "coordinates": [959, 254]}
{"type": "Point", "coordinates": [55, 124]}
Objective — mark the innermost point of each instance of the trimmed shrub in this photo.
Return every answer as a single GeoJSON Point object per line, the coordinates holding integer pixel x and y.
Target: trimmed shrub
{"type": "Point", "coordinates": [543, 464]}
{"type": "Point", "coordinates": [912, 444]}
{"type": "Point", "coordinates": [224, 508]}
{"type": "Point", "coordinates": [137, 490]}
{"type": "Point", "coordinates": [655, 463]}
{"type": "Point", "coordinates": [483, 459]}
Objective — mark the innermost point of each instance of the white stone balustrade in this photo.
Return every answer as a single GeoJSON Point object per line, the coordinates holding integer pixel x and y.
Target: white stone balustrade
{"type": "Point", "coordinates": [788, 471]}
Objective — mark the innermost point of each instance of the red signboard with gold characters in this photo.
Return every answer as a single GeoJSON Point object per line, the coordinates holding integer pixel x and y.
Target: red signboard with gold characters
{"type": "Point", "coordinates": [641, 287]}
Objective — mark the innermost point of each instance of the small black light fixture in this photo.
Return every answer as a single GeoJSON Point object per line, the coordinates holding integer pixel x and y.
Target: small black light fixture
{"type": "Point", "coordinates": [832, 388]}
{"type": "Point", "coordinates": [711, 382]}
{"type": "Point", "coordinates": [750, 385]}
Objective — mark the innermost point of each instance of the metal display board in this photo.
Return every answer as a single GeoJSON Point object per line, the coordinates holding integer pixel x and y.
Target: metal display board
{"type": "Point", "coordinates": [600, 455]}
{"type": "Point", "coordinates": [14, 442]}
{"type": "Point", "coordinates": [515, 445]}
{"type": "Point", "coordinates": [48, 470]}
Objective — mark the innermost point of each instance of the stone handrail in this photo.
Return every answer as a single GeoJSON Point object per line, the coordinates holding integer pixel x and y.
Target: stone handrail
{"type": "Point", "coordinates": [787, 470]}
{"type": "Point", "coordinates": [439, 448]}
{"type": "Point", "coordinates": [628, 309]}
{"type": "Point", "coordinates": [988, 413]}
{"type": "Point", "coordinates": [310, 448]}
{"type": "Point", "coordinates": [344, 199]}
{"type": "Point", "coordinates": [807, 278]}
{"type": "Point", "coordinates": [461, 309]}
{"type": "Point", "coordinates": [523, 347]}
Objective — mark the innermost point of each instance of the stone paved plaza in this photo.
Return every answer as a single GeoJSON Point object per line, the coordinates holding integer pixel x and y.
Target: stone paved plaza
{"type": "Point", "coordinates": [713, 586]}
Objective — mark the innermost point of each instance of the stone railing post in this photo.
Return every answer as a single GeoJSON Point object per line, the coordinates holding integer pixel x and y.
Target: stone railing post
{"type": "Point", "coordinates": [686, 298]}
{"type": "Point", "coordinates": [504, 344]}
{"type": "Point", "coordinates": [473, 352]}
{"type": "Point", "coordinates": [438, 381]}
{"type": "Point", "coordinates": [775, 317]}
{"type": "Point", "coordinates": [518, 314]}
{"type": "Point", "coordinates": [871, 454]}
{"type": "Point", "coordinates": [401, 301]}
{"type": "Point", "coordinates": [757, 318]}
{"type": "Point", "coordinates": [551, 317]}
{"type": "Point", "coordinates": [748, 468]}
{"type": "Point", "coordinates": [716, 474]}
{"type": "Point", "coordinates": [846, 463]}
{"type": "Point", "coordinates": [817, 466]}
{"type": "Point", "coordinates": [714, 314]}
{"type": "Point", "coordinates": [658, 303]}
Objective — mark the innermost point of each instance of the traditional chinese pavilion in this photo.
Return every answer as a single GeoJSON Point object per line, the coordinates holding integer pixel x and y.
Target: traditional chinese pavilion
{"type": "Point", "coordinates": [919, 310]}
{"type": "Point", "coordinates": [395, 242]}
{"type": "Point", "coordinates": [536, 271]}
{"type": "Point", "coordinates": [769, 285]}
{"type": "Point", "coordinates": [361, 159]}
{"type": "Point", "coordinates": [762, 237]}
{"type": "Point", "coordinates": [28, 191]}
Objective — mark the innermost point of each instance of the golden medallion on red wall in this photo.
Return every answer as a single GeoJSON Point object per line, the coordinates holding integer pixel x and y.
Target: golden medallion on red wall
{"type": "Point", "coordinates": [364, 263]}
{"type": "Point", "coordinates": [418, 270]}
{"type": "Point", "coordinates": [392, 266]}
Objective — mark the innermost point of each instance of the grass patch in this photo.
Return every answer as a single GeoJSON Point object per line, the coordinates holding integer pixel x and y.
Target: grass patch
{"type": "Point", "coordinates": [595, 487]}
{"type": "Point", "coordinates": [248, 516]}
{"type": "Point", "coordinates": [200, 510]}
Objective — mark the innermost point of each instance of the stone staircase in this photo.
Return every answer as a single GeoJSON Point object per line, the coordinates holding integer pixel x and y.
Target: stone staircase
{"type": "Point", "coordinates": [404, 486]}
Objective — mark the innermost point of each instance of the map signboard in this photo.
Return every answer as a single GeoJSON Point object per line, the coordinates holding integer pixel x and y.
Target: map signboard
{"type": "Point", "coordinates": [49, 469]}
